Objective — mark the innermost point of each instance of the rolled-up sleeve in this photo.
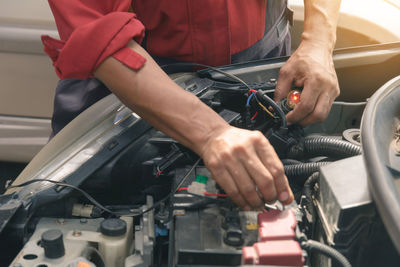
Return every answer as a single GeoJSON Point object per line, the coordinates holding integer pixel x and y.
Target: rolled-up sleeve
{"type": "Point", "coordinates": [90, 32]}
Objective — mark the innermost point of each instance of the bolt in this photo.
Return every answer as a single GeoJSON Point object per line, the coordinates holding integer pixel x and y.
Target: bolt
{"type": "Point", "coordinates": [397, 146]}
{"type": "Point", "coordinates": [357, 138]}
{"type": "Point", "coordinates": [83, 220]}
{"type": "Point", "coordinates": [179, 212]}
{"type": "Point", "coordinates": [76, 233]}
{"type": "Point", "coordinates": [272, 80]}
{"type": "Point", "coordinates": [397, 141]}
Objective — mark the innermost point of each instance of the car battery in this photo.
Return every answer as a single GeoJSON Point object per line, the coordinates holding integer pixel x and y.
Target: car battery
{"type": "Point", "coordinates": [213, 236]}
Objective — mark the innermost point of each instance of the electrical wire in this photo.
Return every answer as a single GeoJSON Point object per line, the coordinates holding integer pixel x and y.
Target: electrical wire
{"type": "Point", "coordinates": [205, 193]}
{"type": "Point", "coordinates": [209, 67]}
{"type": "Point", "coordinates": [249, 99]}
{"type": "Point", "coordinates": [254, 116]}
{"type": "Point", "coordinates": [84, 193]}
{"type": "Point", "coordinates": [182, 189]}
{"type": "Point", "coordinates": [159, 172]}
{"type": "Point", "coordinates": [215, 194]}
{"type": "Point", "coordinates": [100, 206]}
{"type": "Point", "coordinates": [264, 98]}
{"type": "Point", "coordinates": [315, 246]}
{"type": "Point", "coordinates": [266, 110]}
{"type": "Point", "coordinates": [354, 104]}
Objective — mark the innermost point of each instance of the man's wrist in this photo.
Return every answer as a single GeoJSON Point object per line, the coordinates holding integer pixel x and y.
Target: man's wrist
{"type": "Point", "coordinates": [320, 21]}
{"type": "Point", "coordinates": [200, 142]}
{"type": "Point", "coordinates": [319, 42]}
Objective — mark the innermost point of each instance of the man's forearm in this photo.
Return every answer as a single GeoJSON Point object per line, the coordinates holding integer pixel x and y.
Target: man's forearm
{"type": "Point", "coordinates": [161, 102]}
{"type": "Point", "coordinates": [311, 65]}
{"type": "Point", "coordinates": [320, 21]}
{"type": "Point", "coordinates": [239, 160]}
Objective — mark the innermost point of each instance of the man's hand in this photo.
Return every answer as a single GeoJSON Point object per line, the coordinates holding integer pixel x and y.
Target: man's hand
{"type": "Point", "coordinates": [310, 67]}
{"type": "Point", "coordinates": [246, 166]}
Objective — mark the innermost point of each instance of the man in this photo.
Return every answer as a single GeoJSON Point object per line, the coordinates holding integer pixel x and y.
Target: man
{"type": "Point", "coordinates": [96, 39]}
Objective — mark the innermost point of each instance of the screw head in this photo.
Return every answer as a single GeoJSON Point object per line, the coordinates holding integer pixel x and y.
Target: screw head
{"type": "Point", "coordinates": [76, 233]}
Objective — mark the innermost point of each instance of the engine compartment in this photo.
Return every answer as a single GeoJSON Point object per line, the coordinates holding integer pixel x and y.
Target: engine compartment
{"type": "Point", "coordinates": [171, 212]}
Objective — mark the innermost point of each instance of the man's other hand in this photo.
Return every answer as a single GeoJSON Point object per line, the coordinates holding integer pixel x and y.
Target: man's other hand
{"type": "Point", "coordinates": [246, 166]}
{"type": "Point", "coordinates": [311, 67]}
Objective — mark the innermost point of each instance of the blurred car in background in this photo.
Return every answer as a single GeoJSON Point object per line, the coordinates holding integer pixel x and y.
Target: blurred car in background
{"type": "Point", "coordinates": [361, 22]}
{"type": "Point", "coordinates": [27, 79]}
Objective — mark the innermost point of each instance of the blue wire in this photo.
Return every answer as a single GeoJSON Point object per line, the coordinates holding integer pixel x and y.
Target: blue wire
{"type": "Point", "coordinates": [248, 99]}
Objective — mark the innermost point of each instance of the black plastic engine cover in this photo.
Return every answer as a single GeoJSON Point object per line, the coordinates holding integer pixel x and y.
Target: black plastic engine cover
{"type": "Point", "coordinates": [348, 218]}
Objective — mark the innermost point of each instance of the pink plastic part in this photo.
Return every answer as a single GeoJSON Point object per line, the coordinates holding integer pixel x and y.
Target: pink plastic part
{"type": "Point", "coordinates": [280, 253]}
{"type": "Point", "coordinates": [277, 245]}
{"type": "Point", "coordinates": [276, 225]}
{"type": "Point", "coordinates": [249, 255]}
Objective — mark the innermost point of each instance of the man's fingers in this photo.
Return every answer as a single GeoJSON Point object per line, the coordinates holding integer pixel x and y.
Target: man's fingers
{"type": "Point", "coordinates": [321, 110]}
{"type": "Point", "coordinates": [309, 97]}
{"type": "Point", "coordinates": [284, 192]}
{"type": "Point", "coordinates": [225, 180]}
{"type": "Point", "coordinates": [270, 161]}
{"type": "Point", "coordinates": [264, 181]}
{"type": "Point", "coordinates": [247, 187]}
{"type": "Point", "coordinates": [283, 84]}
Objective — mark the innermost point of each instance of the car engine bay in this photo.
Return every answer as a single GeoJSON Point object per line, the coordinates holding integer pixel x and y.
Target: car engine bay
{"type": "Point", "coordinates": [110, 190]}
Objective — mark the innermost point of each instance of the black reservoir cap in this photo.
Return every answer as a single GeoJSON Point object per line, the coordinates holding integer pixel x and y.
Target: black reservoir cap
{"type": "Point", "coordinates": [113, 227]}
{"type": "Point", "coordinates": [53, 244]}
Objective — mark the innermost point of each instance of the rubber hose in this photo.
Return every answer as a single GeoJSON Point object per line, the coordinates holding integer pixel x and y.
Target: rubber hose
{"type": "Point", "coordinates": [291, 162]}
{"type": "Point", "coordinates": [314, 246]}
{"type": "Point", "coordinates": [324, 146]}
{"type": "Point", "coordinates": [303, 169]}
{"type": "Point", "coordinates": [308, 190]}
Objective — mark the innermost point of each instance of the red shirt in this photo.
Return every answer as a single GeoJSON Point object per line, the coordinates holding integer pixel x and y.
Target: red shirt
{"type": "Point", "coordinates": [201, 31]}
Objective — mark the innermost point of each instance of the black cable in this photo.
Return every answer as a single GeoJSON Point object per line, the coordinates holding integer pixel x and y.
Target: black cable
{"type": "Point", "coordinates": [85, 194]}
{"type": "Point", "coordinates": [308, 191]}
{"type": "Point", "coordinates": [314, 246]}
{"type": "Point", "coordinates": [303, 169]}
{"type": "Point", "coordinates": [264, 99]}
{"type": "Point", "coordinates": [314, 146]}
{"type": "Point", "coordinates": [100, 206]}
{"type": "Point", "coordinates": [201, 203]}
{"type": "Point", "coordinates": [186, 176]}
{"type": "Point", "coordinates": [209, 67]}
